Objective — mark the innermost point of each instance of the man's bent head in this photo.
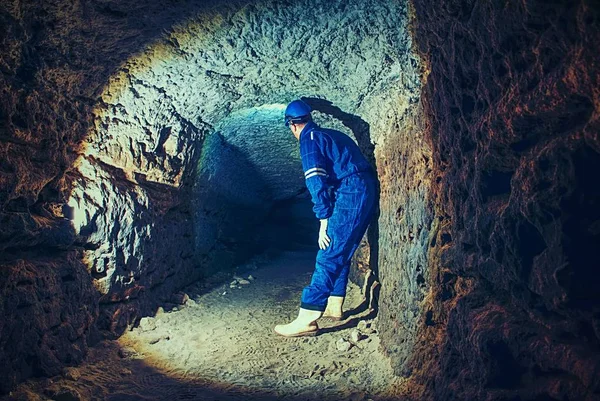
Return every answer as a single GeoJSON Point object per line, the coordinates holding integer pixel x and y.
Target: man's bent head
{"type": "Point", "coordinates": [297, 112]}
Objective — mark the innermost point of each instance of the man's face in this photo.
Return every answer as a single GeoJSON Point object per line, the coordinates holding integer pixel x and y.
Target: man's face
{"type": "Point", "coordinates": [293, 129]}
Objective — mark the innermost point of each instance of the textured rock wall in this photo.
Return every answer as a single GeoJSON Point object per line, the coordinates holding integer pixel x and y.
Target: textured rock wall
{"type": "Point", "coordinates": [405, 223]}
{"type": "Point", "coordinates": [56, 58]}
{"type": "Point", "coordinates": [130, 208]}
{"type": "Point", "coordinates": [106, 110]}
{"type": "Point", "coordinates": [48, 306]}
{"type": "Point", "coordinates": [511, 103]}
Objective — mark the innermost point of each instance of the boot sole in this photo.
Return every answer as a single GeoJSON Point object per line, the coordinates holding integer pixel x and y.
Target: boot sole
{"type": "Point", "coordinates": [333, 318]}
{"type": "Point", "coordinates": [311, 333]}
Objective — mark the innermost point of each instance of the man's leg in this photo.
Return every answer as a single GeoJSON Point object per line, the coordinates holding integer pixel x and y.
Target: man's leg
{"type": "Point", "coordinates": [339, 286]}
{"type": "Point", "coordinates": [348, 224]}
{"type": "Point", "coordinates": [328, 268]}
{"type": "Point", "coordinates": [336, 298]}
{"type": "Point", "coordinates": [346, 227]}
{"type": "Point", "coordinates": [314, 297]}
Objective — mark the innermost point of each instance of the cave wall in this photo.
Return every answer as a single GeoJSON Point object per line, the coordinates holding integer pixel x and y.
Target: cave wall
{"type": "Point", "coordinates": [405, 223]}
{"type": "Point", "coordinates": [511, 107]}
{"type": "Point", "coordinates": [129, 205]}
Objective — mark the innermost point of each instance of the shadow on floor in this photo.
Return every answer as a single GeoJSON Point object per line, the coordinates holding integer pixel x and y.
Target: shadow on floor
{"type": "Point", "coordinates": [366, 310]}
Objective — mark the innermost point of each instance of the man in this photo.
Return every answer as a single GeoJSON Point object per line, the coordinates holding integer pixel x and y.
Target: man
{"type": "Point", "coordinates": [342, 185]}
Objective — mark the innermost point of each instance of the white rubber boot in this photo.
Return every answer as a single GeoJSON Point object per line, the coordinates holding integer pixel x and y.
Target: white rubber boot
{"type": "Point", "coordinates": [304, 325]}
{"type": "Point", "coordinates": [334, 308]}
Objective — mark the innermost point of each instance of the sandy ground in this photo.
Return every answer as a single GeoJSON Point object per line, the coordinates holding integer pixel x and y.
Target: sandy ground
{"type": "Point", "coordinates": [221, 346]}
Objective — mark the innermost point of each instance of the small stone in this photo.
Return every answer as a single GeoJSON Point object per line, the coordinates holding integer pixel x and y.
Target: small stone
{"type": "Point", "coordinates": [342, 345]}
{"type": "Point", "coordinates": [125, 372]}
{"type": "Point", "coordinates": [147, 324]}
{"type": "Point", "coordinates": [224, 293]}
{"type": "Point", "coordinates": [233, 283]}
{"type": "Point", "coordinates": [63, 394]}
{"type": "Point", "coordinates": [155, 340]}
{"type": "Point", "coordinates": [71, 374]}
{"type": "Point", "coordinates": [356, 336]}
{"type": "Point", "coordinates": [160, 311]}
{"type": "Point", "coordinates": [233, 286]}
{"type": "Point", "coordinates": [180, 298]}
{"type": "Point", "coordinates": [251, 277]}
{"type": "Point", "coordinates": [127, 352]}
{"type": "Point", "coordinates": [362, 325]}
{"type": "Point", "coordinates": [243, 282]}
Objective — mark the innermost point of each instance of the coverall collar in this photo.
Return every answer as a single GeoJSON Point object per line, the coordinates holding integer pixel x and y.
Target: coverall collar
{"type": "Point", "coordinates": [309, 127]}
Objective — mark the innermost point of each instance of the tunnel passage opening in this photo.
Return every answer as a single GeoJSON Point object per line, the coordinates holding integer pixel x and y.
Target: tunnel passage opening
{"type": "Point", "coordinates": [168, 190]}
{"type": "Point", "coordinates": [249, 185]}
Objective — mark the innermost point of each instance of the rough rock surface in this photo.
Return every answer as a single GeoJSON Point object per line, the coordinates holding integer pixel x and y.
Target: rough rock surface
{"type": "Point", "coordinates": [48, 305]}
{"type": "Point", "coordinates": [114, 115]}
{"type": "Point", "coordinates": [511, 103]}
{"type": "Point", "coordinates": [405, 221]}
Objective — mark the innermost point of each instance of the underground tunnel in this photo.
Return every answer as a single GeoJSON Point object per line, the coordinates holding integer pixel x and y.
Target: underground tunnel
{"type": "Point", "coordinates": [155, 224]}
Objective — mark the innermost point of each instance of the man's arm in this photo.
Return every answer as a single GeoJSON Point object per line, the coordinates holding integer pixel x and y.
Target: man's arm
{"type": "Point", "coordinates": [315, 173]}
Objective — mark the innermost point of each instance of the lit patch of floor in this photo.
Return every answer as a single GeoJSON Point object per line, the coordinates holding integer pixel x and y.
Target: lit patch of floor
{"type": "Point", "coordinates": [221, 346]}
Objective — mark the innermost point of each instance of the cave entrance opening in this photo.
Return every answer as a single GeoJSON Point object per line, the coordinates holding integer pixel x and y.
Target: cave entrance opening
{"type": "Point", "coordinates": [189, 171]}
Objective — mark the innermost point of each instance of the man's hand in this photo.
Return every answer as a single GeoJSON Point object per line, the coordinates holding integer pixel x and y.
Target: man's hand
{"type": "Point", "coordinates": [323, 238]}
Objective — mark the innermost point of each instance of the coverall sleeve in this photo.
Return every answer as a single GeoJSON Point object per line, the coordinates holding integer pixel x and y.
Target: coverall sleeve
{"type": "Point", "coordinates": [315, 173]}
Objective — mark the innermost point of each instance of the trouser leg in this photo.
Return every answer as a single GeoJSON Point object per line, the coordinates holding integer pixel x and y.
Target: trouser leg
{"type": "Point", "coordinates": [340, 284]}
{"type": "Point", "coordinates": [314, 296]}
{"type": "Point", "coordinates": [347, 225]}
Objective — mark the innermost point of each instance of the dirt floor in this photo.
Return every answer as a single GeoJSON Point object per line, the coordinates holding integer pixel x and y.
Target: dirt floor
{"type": "Point", "coordinates": [220, 345]}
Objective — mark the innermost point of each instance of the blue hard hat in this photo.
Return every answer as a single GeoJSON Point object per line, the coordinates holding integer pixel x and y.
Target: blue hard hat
{"type": "Point", "coordinates": [297, 112]}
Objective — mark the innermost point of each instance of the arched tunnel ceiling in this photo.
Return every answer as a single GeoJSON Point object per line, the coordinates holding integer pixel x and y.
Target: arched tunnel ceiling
{"type": "Point", "coordinates": [269, 148]}
{"type": "Point", "coordinates": [150, 152]}
{"type": "Point", "coordinates": [271, 151]}
{"type": "Point", "coordinates": [158, 108]}
{"type": "Point", "coordinates": [349, 53]}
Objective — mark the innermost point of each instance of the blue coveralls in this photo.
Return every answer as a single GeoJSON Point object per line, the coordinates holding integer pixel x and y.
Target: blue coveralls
{"type": "Point", "coordinates": [343, 188]}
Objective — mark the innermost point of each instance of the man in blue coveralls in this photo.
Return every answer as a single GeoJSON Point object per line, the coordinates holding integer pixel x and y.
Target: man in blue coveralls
{"type": "Point", "coordinates": [342, 185]}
